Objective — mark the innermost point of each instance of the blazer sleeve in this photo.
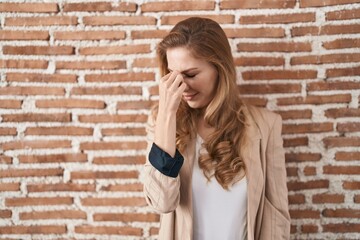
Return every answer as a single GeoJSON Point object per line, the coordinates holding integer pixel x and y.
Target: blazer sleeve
{"type": "Point", "coordinates": [276, 194]}
{"type": "Point", "coordinates": [162, 192]}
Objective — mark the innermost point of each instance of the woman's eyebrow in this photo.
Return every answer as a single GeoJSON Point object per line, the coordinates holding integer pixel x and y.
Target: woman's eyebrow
{"type": "Point", "coordinates": [187, 70]}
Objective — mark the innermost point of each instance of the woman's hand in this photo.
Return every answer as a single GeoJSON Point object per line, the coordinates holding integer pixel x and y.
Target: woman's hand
{"type": "Point", "coordinates": [171, 88]}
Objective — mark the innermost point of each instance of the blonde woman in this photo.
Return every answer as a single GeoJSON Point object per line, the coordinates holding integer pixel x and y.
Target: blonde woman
{"type": "Point", "coordinates": [216, 167]}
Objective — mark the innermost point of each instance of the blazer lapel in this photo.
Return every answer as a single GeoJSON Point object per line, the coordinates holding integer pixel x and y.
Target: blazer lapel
{"type": "Point", "coordinates": [254, 172]}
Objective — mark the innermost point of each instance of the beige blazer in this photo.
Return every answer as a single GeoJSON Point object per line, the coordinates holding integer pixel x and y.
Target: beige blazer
{"type": "Point", "coordinates": [267, 214]}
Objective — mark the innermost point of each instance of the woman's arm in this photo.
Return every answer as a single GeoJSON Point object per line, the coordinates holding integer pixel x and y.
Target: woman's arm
{"type": "Point", "coordinates": [276, 189]}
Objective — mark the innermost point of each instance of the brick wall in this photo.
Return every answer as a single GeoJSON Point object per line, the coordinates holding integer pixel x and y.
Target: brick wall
{"type": "Point", "coordinates": [78, 78]}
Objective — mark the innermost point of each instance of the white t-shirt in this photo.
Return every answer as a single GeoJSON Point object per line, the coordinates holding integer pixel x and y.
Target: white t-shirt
{"type": "Point", "coordinates": [218, 214]}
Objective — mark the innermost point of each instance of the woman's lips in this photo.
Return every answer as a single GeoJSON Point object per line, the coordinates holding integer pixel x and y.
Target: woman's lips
{"type": "Point", "coordinates": [189, 97]}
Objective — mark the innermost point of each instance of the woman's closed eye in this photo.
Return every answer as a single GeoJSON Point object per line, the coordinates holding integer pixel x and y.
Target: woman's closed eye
{"type": "Point", "coordinates": [189, 75]}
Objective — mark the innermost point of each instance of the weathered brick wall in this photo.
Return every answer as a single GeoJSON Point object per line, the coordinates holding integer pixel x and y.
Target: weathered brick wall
{"type": "Point", "coordinates": [78, 78]}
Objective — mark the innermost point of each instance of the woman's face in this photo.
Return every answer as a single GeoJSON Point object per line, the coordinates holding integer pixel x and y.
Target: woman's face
{"type": "Point", "coordinates": [200, 77]}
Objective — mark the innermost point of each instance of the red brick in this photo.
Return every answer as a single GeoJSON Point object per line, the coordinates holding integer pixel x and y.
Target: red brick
{"type": "Point", "coordinates": [302, 157]}
{"type": "Point", "coordinates": [279, 74]}
{"type": "Point", "coordinates": [61, 187]}
{"type": "Point", "coordinates": [138, 145]}
{"type": "Point", "coordinates": [24, 91]}
{"type": "Point", "coordinates": [255, 32]}
{"type": "Point", "coordinates": [70, 103]}
{"type": "Point", "coordinates": [259, 61]}
{"type": "Point", "coordinates": [257, 101]}
{"type": "Point", "coordinates": [120, 77]}
{"type": "Point", "coordinates": [107, 118]}
{"type": "Point", "coordinates": [36, 144]}
{"type": "Point", "coordinates": [5, 213]}
{"type": "Point", "coordinates": [343, 14]}
{"type": "Point", "coordinates": [342, 43]}
{"type": "Point", "coordinates": [309, 171]}
{"type": "Point", "coordinates": [87, 7]}
{"type": "Point", "coordinates": [108, 50]}
{"type": "Point", "coordinates": [315, 99]}
{"type": "Point", "coordinates": [131, 160]}
{"type": "Point", "coordinates": [10, 104]}
{"type": "Point", "coordinates": [66, 131]}
{"type": "Point", "coordinates": [127, 217]}
{"type": "Point", "coordinates": [341, 213]}
{"type": "Point", "coordinates": [145, 34]}
{"type": "Point", "coordinates": [4, 131]}
{"type": "Point", "coordinates": [325, 59]}
{"type": "Point", "coordinates": [292, 171]}
{"type": "Point", "coordinates": [269, 88]}
{"type": "Point", "coordinates": [38, 201]}
{"type": "Point", "coordinates": [119, 20]}
{"type": "Point", "coordinates": [294, 142]}
{"type": "Point", "coordinates": [312, 184]}
{"type": "Point", "coordinates": [295, 114]}
{"type": "Point", "coordinates": [53, 158]}
{"type": "Point", "coordinates": [41, 21]}
{"type": "Point", "coordinates": [348, 170]}
{"type": "Point", "coordinates": [329, 85]}
{"type": "Point", "coordinates": [119, 231]}
{"type": "Point", "coordinates": [340, 72]}
{"type": "Point", "coordinates": [296, 199]}
{"type": "Point", "coordinates": [29, 7]}
{"type": "Point", "coordinates": [343, 227]}
{"type": "Point", "coordinates": [16, 173]}
{"type": "Point", "coordinates": [134, 105]}
{"type": "Point", "coordinates": [331, 142]}
{"type": "Point", "coordinates": [351, 185]}
{"type": "Point", "coordinates": [32, 64]}
{"type": "Point", "coordinates": [123, 131]}
{"type": "Point", "coordinates": [322, 3]}
{"type": "Point", "coordinates": [145, 63]}
{"type": "Point", "coordinates": [5, 159]}
{"type": "Point", "coordinates": [347, 156]}
{"type": "Point", "coordinates": [23, 35]}
{"type": "Point", "coordinates": [307, 128]}
{"type": "Point", "coordinates": [128, 201]}
{"type": "Point", "coordinates": [130, 187]}
{"type": "Point", "coordinates": [342, 112]}
{"type": "Point", "coordinates": [89, 35]}
{"type": "Point", "coordinates": [221, 19]}
{"type": "Point", "coordinates": [104, 174]}
{"type": "Point", "coordinates": [278, 18]}
{"type": "Point", "coordinates": [46, 78]}
{"type": "Point", "coordinates": [328, 198]}
{"type": "Point", "coordinates": [301, 214]}
{"type": "Point", "coordinates": [9, 187]}
{"type": "Point", "coordinates": [125, 7]}
{"type": "Point", "coordinates": [357, 199]}
{"type": "Point", "coordinates": [36, 117]}
{"type": "Point", "coordinates": [348, 127]}
{"type": "Point", "coordinates": [154, 231]}
{"type": "Point", "coordinates": [309, 228]}
{"type": "Point", "coordinates": [116, 90]}
{"type": "Point", "coordinates": [257, 4]}
{"type": "Point", "coordinates": [325, 30]}
{"type": "Point", "coordinates": [61, 214]}
{"type": "Point", "coordinates": [177, 6]}
{"type": "Point", "coordinates": [34, 229]}
{"type": "Point", "coordinates": [39, 50]}
{"type": "Point", "coordinates": [84, 65]}
{"type": "Point", "coordinates": [275, 47]}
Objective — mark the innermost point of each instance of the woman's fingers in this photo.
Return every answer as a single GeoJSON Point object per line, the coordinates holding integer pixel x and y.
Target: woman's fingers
{"type": "Point", "coordinates": [176, 83]}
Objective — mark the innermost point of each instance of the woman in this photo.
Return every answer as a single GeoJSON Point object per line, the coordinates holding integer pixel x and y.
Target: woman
{"type": "Point", "coordinates": [216, 167]}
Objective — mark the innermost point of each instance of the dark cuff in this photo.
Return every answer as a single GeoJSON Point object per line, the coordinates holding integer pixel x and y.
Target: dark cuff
{"type": "Point", "coordinates": [162, 161]}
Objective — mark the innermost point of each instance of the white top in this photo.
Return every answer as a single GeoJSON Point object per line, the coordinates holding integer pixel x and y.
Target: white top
{"type": "Point", "coordinates": [218, 214]}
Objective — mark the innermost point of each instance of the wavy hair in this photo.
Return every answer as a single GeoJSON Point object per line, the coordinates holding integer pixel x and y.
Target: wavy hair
{"type": "Point", "coordinates": [225, 113]}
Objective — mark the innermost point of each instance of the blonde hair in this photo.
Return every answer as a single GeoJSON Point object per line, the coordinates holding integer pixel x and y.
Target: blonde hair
{"type": "Point", "coordinates": [225, 113]}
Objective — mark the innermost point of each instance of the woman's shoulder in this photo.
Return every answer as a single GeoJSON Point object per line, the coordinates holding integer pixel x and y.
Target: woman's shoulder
{"type": "Point", "coordinates": [264, 118]}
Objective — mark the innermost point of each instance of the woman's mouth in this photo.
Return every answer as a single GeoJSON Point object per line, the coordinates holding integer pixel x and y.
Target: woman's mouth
{"type": "Point", "coordinates": [189, 97]}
